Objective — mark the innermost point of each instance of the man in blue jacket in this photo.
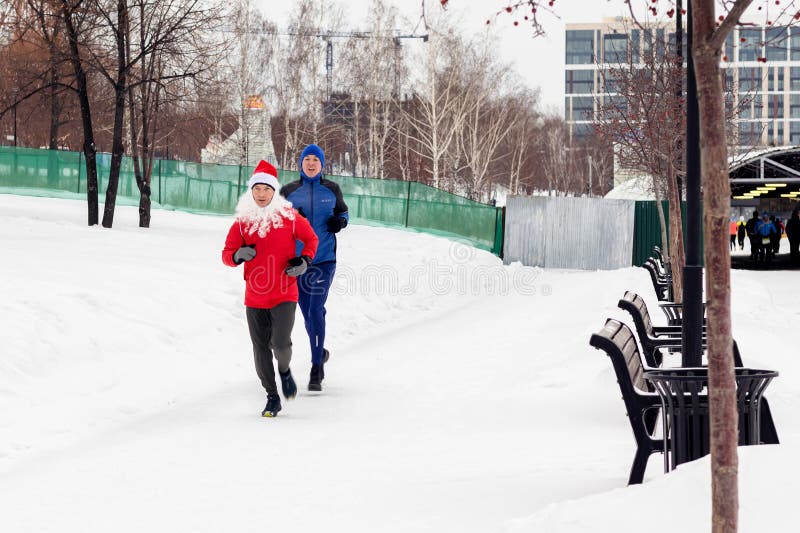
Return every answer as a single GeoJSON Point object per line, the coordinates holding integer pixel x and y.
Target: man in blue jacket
{"type": "Point", "coordinates": [320, 201]}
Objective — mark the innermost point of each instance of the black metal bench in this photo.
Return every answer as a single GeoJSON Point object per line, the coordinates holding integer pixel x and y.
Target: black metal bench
{"type": "Point", "coordinates": [658, 256]}
{"type": "Point", "coordinates": [661, 284]}
{"type": "Point", "coordinates": [660, 267]}
{"type": "Point", "coordinates": [674, 312]}
{"type": "Point", "coordinates": [652, 337]}
{"type": "Point", "coordinates": [641, 401]}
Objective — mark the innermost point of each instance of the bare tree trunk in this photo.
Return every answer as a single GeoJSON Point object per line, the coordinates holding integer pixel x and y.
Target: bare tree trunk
{"type": "Point", "coordinates": [142, 160]}
{"type": "Point", "coordinates": [517, 157]}
{"type": "Point", "coordinates": [662, 221]}
{"type": "Point", "coordinates": [676, 255]}
{"type": "Point", "coordinates": [716, 211]}
{"type": "Point", "coordinates": [55, 108]}
{"type": "Point", "coordinates": [359, 165]}
{"type": "Point", "coordinates": [117, 146]}
{"type": "Point", "coordinates": [149, 129]}
{"type": "Point", "coordinates": [144, 218]}
{"type": "Point", "coordinates": [89, 149]}
{"type": "Point", "coordinates": [288, 145]}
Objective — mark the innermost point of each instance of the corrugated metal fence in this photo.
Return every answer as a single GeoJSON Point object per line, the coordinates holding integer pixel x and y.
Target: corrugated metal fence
{"type": "Point", "coordinates": [565, 232]}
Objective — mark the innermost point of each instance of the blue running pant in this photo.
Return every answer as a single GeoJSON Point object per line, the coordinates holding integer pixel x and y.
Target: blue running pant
{"type": "Point", "coordinates": [313, 287]}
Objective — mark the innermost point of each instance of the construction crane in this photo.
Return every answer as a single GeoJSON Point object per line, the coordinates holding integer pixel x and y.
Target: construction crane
{"type": "Point", "coordinates": [328, 37]}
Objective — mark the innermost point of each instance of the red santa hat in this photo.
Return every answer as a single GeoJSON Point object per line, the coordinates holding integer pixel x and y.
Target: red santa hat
{"type": "Point", "coordinates": [266, 174]}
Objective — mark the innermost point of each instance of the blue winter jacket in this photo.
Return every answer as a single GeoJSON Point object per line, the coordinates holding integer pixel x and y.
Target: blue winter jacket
{"type": "Point", "coordinates": [318, 199]}
{"type": "Point", "coordinates": [765, 229]}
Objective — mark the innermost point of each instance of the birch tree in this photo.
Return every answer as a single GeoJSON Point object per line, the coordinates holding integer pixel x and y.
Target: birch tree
{"type": "Point", "coordinates": [487, 120]}
{"type": "Point", "coordinates": [297, 71]}
{"type": "Point", "coordinates": [374, 67]}
{"type": "Point", "coordinates": [437, 110]}
{"type": "Point", "coordinates": [517, 146]}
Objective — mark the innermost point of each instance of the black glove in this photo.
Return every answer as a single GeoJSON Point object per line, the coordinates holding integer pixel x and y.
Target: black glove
{"type": "Point", "coordinates": [335, 224]}
{"type": "Point", "coordinates": [297, 266]}
{"type": "Point", "coordinates": [245, 253]}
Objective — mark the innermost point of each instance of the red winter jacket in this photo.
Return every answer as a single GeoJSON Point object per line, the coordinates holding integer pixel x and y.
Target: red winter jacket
{"type": "Point", "coordinates": [267, 285]}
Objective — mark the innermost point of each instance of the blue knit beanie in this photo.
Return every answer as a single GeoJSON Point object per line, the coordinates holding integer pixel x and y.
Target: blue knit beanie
{"type": "Point", "coordinates": [312, 149]}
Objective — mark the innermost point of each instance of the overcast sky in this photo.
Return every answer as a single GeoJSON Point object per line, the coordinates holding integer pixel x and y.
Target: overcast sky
{"type": "Point", "coordinates": [539, 61]}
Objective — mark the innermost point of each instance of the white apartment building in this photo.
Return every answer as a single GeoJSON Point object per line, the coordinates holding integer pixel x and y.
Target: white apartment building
{"type": "Point", "coordinates": [762, 69]}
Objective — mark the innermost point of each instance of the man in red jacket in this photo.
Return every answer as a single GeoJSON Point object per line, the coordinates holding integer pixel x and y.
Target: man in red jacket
{"type": "Point", "coordinates": [263, 237]}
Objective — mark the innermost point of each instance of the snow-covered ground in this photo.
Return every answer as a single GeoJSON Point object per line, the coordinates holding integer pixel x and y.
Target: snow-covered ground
{"type": "Point", "coordinates": [461, 394]}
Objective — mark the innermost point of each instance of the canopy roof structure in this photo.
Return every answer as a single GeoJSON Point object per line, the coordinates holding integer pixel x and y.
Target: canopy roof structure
{"type": "Point", "coordinates": [772, 173]}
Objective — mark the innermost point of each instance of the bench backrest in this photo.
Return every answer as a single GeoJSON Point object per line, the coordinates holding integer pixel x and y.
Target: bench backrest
{"type": "Point", "coordinates": [657, 253]}
{"type": "Point", "coordinates": [659, 269]}
{"type": "Point", "coordinates": [636, 306]}
{"type": "Point", "coordinates": [661, 288]}
{"type": "Point", "coordinates": [619, 343]}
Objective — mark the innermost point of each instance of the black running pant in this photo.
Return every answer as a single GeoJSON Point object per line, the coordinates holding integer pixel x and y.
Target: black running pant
{"type": "Point", "coordinates": [271, 331]}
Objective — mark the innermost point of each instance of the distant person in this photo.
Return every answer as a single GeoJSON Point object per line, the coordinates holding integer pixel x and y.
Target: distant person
{"type": "Point", "coordinates": [733, 230]}
{"type": "Point", "coordinates": [741, 232]}
{"type": "Point", "coordinates": [750, 228]}
{"type": "Point", "coordinates": [776, 237]}
{"type": "Point", "coordinates": [264, 237]}
{"type": "Point", "coordinates": [320, 201]}
{"type": "Point", "coordinates": [765, 230]}
{"type": "Point", "coordinates": [793, 234]}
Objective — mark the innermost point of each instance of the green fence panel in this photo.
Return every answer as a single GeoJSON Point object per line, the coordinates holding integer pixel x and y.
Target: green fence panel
{"type": "Point", "coordinates": [215, 188]}
{"type": "Point", "coordinates": [499, 233]}
{"type": "Point", "coordinates": [39, 169]}
{"type": "Point", "coordinates": [647, 229]}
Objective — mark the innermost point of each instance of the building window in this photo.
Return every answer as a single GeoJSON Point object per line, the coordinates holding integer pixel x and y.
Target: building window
{"type": "Point", "coordinates": [635, 38]}
{"type": "Point", "coordinates": [775, 79]}
{"type": "Point", "coordinates": [582, 108]}
{"type": "Point", "coordinates": [794, 133]}
{"type": "Point", "coordinates": [749, 79]}
{"type": "Point", "coordinates": [794, 106]}
{"type": "Point", "coordinates": [580, 47]}
{"type": "Point", "coordinates": [750, 133]}
{"type": "Point", "coordinates": [660, 43]}
{"type": "Point", "coordinates": [775, 133]}
{"type": "Point", "coordinates": [647, 42]}
{"type": "Point", "coordinates": [750, 44]}
{"type": "Point", "coordinates": [615, 48]}
{"type": "Point", "coordinates": [673, 47]}
{"type": "Point", "coordinates": [615, 105]}
{"type": "Point", "coordinates": [727, 80]}
{"type": "Point", "coordinates": [750, 106]}
{"type": "Point", "coordinates": [579, 81]}
{"type": "Point", "coordinates": [728, 50]}
{"type": "Point", "coordinates": [610, 81]}
{"type": "Point", "coordinates": [775, 42]}
{"type": "Point", "coordinates": [581, 130]}
{"type": "Point", "coordinates": [794, 78]}
{"type": "Point", "coordinates": [794, 44]}
{"type": "Point", "coordinates": [775, 107]}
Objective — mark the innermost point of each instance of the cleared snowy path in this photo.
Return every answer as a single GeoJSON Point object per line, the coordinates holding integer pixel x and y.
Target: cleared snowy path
{"type": "Point", "coordinates": [452, 402]}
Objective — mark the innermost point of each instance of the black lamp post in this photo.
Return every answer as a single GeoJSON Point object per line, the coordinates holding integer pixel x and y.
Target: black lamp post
{"type": "Point", "coordinates": [691, 344]}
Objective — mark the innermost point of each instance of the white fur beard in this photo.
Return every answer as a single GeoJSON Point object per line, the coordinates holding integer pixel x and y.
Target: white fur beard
{"type": "Point", "coordinates": [262, 219]}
